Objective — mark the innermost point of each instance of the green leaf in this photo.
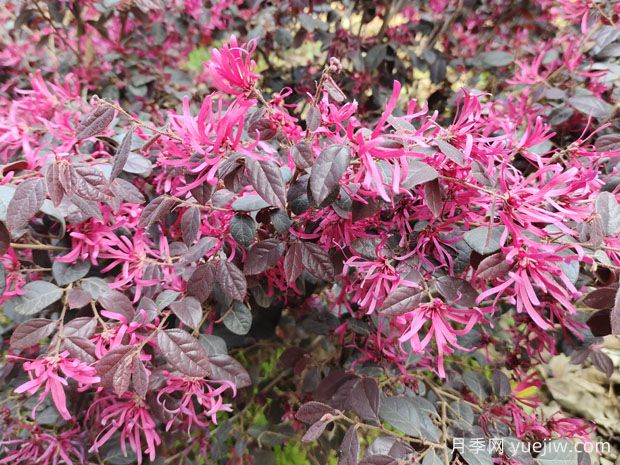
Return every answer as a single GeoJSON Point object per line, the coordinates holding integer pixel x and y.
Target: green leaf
{"type": "Point", "coordinates": [558, 452]}
{"type": "Point", "coordinates": [38, 295]}
{"type": "Point", "coordinates": [402, 414]}
{"type": "Point", "coordinates": [238, 319]}
{"type": "Point", "coordinates": [481, 241]}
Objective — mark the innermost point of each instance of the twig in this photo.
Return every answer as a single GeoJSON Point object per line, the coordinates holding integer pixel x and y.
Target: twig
{"type": "Point", "coordinates": [444, 27]}
{"type": "Point", "coordinates": [383, 430]}
{"type": "Point", "coordinates": [473, 186]}
{"type": "Point", "coordinates": [135, 120]}
{"type": "Point", "coordinates": [444, 433]}
{"type": "Point", "coordinates": [38, 246]}
{"type": "Point", "coordinates": [56, 30]}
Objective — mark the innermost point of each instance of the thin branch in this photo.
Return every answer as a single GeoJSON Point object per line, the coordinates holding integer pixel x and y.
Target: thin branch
{"type": "Point", "coordinates": [15, 245]}
{"type": "Point", "coordinates": [136, 121]}
{"type": "Point", "coordinates": [56, 30]}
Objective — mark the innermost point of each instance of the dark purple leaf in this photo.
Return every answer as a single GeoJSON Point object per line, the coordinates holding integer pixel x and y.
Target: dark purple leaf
{"type": "Point", "coordinates": [238, 319]}
{"type": "Point", "coordinates": [202, 193]}
{"type": "Point", "coordinates": [608, 143]}
{"type": "Point", "coordinates": [484, 239]}
{"type": "Point", "coordinates": [365, 399]}
{"type": "Point", "coordinates": [243, 229]}
{"type": "Point", "coordinates": [26, 202]}
{"type": "Point", "coordinates": [601, 299]}
{"type": "Point", "coordinates": [114, 368]}
{"type": "Point", "coordinates": [89, 208]}
{"type": "Point", "coordinates": [122, 154]}
{"type": "Point", "coordinates": [615, 315]}
{"type": "Point", "coordinates": [313, 118]}
{"type": "Point", "coordinates": [66, 273]}
{"type": "Point", "coordinates": [201, 282]}
{"type": "Point", "coordinates": [501, 384]}
{"type": "Point", "coordinates": [343, 397]}
{"type": "Point", "coordinates": [609, 210]}
{"type": "Point", "coordinates": [82, 327]}
{"type": "Point", "coordinates": [311, 412]}
{"type": "Point", "coordinates": [297, 195]}
{"type": "Point", "coordinates": [147, 310]}
{"type": "Point", "coordinates": [349, 449]}
{"type": "Point", "coordinates": [380, 460]}
{"type": "Point", "coordinates": [116, 301]}
{"type": "Point", "coordinates": [333, 89]}
{"type": "Point", "coordinates": [602, 362]}
{"type": "Point", "coordinates": [330, 385]}
{"type": "Point", "coordinates": [591, 105]}
{"type": "Point", "coordinates": [293, 264]}
{"type": "Point", "coordinates": [360, 210]}
{"type": "Point", "coordinates": [432, 197]}
{"type": "Point", "coordinates": [231, 279]}
{"type": "Point", "coordinates": [54, 186]}
{"type": "Point", "coordinates": [5, 239]}
{"type": "Point", "coordinates": [126, 191]}
{"type": "Point", "coordinates": [493, 267]}
{"type": "Point", "coordinates": [78, 298]}
{"type": "Point", "coordinates": [291, 356]}
{"type": "Point", "coordinates": [327, 171]}
{"type": "Point", "coordinates": [456, 291]}
{"type": "Point", "coordinates": [600, 323]}
{"type": "Point", "coordinates": [226, 367]}
{"type": "Point", "coordinates": [451, 152]}
{"type": "Point", "coordinates": [37, 296]}
{"type": "Point", "coordinates": [190, 225]}
{"type": "Point", "coordinates": [95, 122]}
{"type": "Point", "coordinates": [188, 310]}
{"type": "Point", "coordinates": [262, 256]}
{"type": "Point", "coordinates": [184, 352]}
{"type": "Point", "coordinates": [402, 300]}
{"type": "Point", "coordinates": [580, 356]}
{"type": "Point", "coordinates": [315, 431]}
{"type": "Point", "coordinates": [140, 377]}
{"type": "Point", "coordinates": [198, 250]}
{"type": "Point", "coordinates": [31, 332]}
{"type": "Point", "coordinates": [316, 261]}
{"type": "Point", "coordinates": [81, 348]}
{"type": "Point", "coordinates": [403, 414]}
{"type": "Point", "coordinates": [157, 209]}
{"type": "Point", "coordinates": [266, 178]}
{"type": "Point", "coordinates": [88, 183]}
{"type": "Point", "coordinates": [302, 155]}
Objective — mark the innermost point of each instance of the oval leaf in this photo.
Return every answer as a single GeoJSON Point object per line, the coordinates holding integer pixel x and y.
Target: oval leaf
{"type": "Point", "coordinates": [26, 202]}
{"type": "Point", "coordinates": [184, 352]}
{"type": "Point", "coordinates": [327, 171]}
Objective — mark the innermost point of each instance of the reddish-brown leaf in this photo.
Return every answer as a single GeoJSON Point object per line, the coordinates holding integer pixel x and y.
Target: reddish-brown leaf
{"type": "Point", "coordinates": [95, 122]}
{"type": "Point", "coordinates": [293, 265]}
{"type": "Point", "coordinates": [26, 202]}
{"type": "Point", "coordinates": [122, 154]}
{"type": "Point", "coordinates": [266, 178]}
{"type": "Point", "coordinates": [184, 352]}
{"type": "Point", "coordinates": [31, 332]}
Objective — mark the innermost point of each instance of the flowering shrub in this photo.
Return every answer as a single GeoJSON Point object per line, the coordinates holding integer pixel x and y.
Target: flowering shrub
{"type": "Point", "coordinates": [366, 225]}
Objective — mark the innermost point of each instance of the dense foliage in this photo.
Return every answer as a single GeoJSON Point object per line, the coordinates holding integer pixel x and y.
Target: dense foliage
{"type": "Point", "coordinates": [229, 225]}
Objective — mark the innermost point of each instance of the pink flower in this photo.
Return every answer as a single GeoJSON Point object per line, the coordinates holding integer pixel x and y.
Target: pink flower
{"type": "Point", "coordinates": [232, 67]}
{"type": "Point", "coordinates": [570, 427]}
{"type": "Point", "coordinates": [206, 393]}
{"type": "Point", "coordinates": [36, 446]}
{"type": "Point", "coordinates": [129, 415]}
{"type": "Point", "coordinates": [46, 371]}
{"type": "Point", "coordinates": [535, 269]}
{"type": "Point", "coordinates": [442, 319]}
